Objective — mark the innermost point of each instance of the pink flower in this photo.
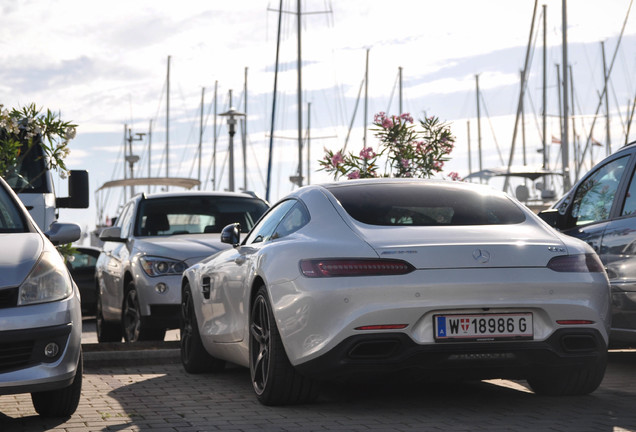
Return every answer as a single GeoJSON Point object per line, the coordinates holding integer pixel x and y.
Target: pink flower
{"type": "Point", "coordinates": [367, 153]}
{"type": "Point", "coordinates": [454, 176]}
{"type": "Point", "coordinates": [337, 159]}
{"type": "Point", "coordinates": [387, 123]}
{"type": "Point", "coordinates": [405, 163]}
{"type": "Point", "coordinates": [379, 117]}
{"type": "Point", "coordinates": [407, 117]}
{"type": "Point", "coordinates": [354, 175]}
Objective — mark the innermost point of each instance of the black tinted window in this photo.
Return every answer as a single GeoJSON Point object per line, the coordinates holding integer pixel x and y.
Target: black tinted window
{"type": "Point", "coordinates": [266, 226]}
{"type": "Point", "coordinates": [10, 217]}
{"type": "Point", "coordinates": [595, 195]}
{"type": "Point", "coordinates": [421, 204]}
{"type": "Point", "coordinates": [28, 175]}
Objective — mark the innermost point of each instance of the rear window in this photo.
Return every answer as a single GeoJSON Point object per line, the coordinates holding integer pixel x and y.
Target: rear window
{"type": "Point", "coordinates": [420, 204]}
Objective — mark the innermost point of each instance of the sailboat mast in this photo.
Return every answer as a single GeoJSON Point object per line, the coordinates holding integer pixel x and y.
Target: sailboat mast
{"type": "Point", "coordinates": [521, 95]}
{"type": "Point", "coordinates": [308, 143]}
{"type": "Point", "coordinates": [271, 135]}
{"type": "Point", "coordinates": [201, 134]}
{"type": "Point", "coordinates": [565, 141]}
{"type": "Point", "coordinates": [244, 135]}
{"type": "Point", "coordinates": [124, 153]}
{"type": "Point", "coordinates": [168, 121]}
{"type": "Point", "coordinates": [300, 100]}
{"type": "Point", "coordinates": [149, 151]}
{"type": "Point", "coordinates": [478, 123]}
{"type": "Point", "coordinates": [400, 93]}
{"type": "Point", "coordinates": [470, 163]}
{"type": "Point", "coordinates": [608, 144]}
{"type": "Point", "coordinates": [366, 101]}
{"type": "Point", "coordinates": [544, 93]}
{"type": "Point", "coordinates": [214, 139]}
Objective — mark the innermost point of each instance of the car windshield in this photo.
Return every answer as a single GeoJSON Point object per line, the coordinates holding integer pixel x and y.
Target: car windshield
{"type": "Point", "coordinates": [418, 204]}
{"type": "Point", "coordinates": [196, 214]}
{"type": "Point", "coordinates": [11, 221]}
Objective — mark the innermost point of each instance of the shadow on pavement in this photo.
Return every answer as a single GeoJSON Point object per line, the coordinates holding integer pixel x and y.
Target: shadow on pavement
{"type": "Point", "coordinates": [150, 397]}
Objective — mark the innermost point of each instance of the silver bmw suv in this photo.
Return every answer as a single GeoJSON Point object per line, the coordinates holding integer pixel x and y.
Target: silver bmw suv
{"type": "Point", "coordinates": [40, 312]}
{"type": "Point", "coordinates": [155, 238]}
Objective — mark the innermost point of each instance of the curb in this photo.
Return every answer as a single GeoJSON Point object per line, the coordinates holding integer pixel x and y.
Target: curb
{"type": "Point", "coordinates": [126, 354]}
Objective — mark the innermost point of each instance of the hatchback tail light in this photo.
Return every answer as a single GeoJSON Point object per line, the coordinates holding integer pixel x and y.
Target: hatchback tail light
{"type": "Point", "coordinates": [353, 267]}
{"type": "Point", "coordinates": [576, 263]}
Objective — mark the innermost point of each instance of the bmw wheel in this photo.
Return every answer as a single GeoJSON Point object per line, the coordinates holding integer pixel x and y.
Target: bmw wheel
{"type": "Point", "coordinates": [132, 323]}
{"type": "Point", "coordinates": [106, 331]}
{"type": "Point", "coordinates": [275, 380]}
{"type": "Point", "coordinates": [194, 357]}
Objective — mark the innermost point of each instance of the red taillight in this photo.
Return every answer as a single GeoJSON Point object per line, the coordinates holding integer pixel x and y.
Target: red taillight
{"type": "Point", "coordinates": [576, 263]}
{"type": "Point", "coordinates": [353, 267]}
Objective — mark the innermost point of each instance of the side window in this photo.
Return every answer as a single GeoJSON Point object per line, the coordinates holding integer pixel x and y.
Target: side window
{"type": "Point", "coordinates": [629, 205]}
{"type": "Point", "coordinates": [124, 220]}
{"type": "Point", "coordinates": [265, 228]}
{"type": "Point", "coordinates": [594, 197]}
{"type": "Point", "coordinates": [294, 220]}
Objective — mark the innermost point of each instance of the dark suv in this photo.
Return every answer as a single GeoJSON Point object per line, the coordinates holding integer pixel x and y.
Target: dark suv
{"type": "Point", "coordinates": [601, 210]}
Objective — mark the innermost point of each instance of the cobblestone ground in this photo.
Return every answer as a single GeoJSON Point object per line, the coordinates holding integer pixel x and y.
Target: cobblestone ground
{"type": "Point", "coordinates": [165, 398]}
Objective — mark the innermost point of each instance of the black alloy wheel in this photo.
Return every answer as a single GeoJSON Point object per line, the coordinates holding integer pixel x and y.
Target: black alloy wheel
{"type": "Point", "coordinates": [194, 357]}
{"type": "Point", "coordinates": [133, 323]}
{"type": "Point", "coordinates": [275, 380]}
{"type": "Point", "coordinates": [131, 316]}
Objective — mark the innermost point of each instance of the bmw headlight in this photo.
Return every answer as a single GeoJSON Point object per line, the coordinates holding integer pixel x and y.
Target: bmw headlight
{"type": "Point", "coordinates": [158, 266]}
{"type": "Point", "coordinates": [48, 281]}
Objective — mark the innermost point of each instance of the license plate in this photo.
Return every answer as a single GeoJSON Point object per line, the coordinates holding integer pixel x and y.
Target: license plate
{"type": "Point", "coordinates": [483, 326]}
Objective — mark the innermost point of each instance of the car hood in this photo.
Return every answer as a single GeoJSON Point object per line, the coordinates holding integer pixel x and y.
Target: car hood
{"type": "Point", "coordinates": [524, 245]}
{"type": "Point", "coordinates": [188, 248]}
{"type": "Point", "coordinates": [17, 260]}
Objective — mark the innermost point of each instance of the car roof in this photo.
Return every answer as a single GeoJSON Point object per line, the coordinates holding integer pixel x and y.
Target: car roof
{"type": "Point", "coordinates": [220, 194]}
{"type": "Point", "coordinates": [428, 182]}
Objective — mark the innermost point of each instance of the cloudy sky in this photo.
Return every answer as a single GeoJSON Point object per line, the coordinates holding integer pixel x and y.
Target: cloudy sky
{"type": "Point", "coordinates": [106, 67]}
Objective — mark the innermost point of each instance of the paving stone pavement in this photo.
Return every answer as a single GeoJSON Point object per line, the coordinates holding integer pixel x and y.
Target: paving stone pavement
{"type": "Point", "coordinates": [161, 396]}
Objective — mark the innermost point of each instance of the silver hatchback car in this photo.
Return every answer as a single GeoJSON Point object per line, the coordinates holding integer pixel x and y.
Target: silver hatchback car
{"type": "Point", "coordinates": [40, 312]}
{"type": "Point", "coordinates": [156, 237]}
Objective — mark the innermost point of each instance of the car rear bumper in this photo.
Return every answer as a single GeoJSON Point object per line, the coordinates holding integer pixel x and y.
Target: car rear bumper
{"type": "Point", "coordinates": [376, 354]}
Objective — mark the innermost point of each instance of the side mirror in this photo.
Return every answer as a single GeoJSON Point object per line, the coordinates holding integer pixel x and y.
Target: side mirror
{"type": "Point", "coordinates": [77, 191]}
{"type": "Point", "coordinates": [231, 234]}
{"type": "Point", "coordinates": [62, 233]}
{"type": "Point", "coordinates": [112, 234]}
{"type": "Point", "coordinates": [550, 216]}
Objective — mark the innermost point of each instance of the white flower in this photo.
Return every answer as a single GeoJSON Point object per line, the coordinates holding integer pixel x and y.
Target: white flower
{"type": "Point", "coordinates": [70, 133]}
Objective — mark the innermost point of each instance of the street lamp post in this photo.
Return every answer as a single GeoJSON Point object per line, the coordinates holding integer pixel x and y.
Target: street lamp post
{"type": "Point", "coordinates": [131, 158]}
{"type": "Point", "coordinates": [231, 115]}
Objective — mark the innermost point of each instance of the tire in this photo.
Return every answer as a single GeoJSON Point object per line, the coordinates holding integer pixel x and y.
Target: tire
{"type": "Point", "coordinates": [275, 380]}
{"type": "Point", "coordinates": [571, 381]}
{"type": "Point", "coordinates": [106, 331]}
{"type": "Point", "coordinates": [194, 358]}
{"type": "Point", "coordinates": [132, 323]}
{"type": "Point", "coordinates": [62, 402]}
